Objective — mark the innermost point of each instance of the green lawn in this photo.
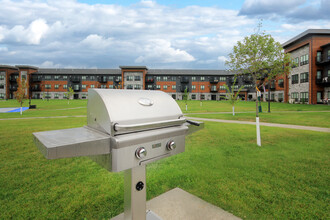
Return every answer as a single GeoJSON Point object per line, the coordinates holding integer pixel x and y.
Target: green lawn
{"type": "Point", "coordinates": [246, 106]}
{"type": "Point", "coordinates": [286, 178]}
{"type": "Point", "coordinates": [317, 119]}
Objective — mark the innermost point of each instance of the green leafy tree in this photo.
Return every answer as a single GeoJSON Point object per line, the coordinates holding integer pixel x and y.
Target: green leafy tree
{"type": "Point", "coordinates": [69, 94]}
{"type": "Point", "coordinates": [20, 94]}
{"type": "Point", "coordinates": [231, 95]}
{"type": "Point", "coordinates": [258, 55]}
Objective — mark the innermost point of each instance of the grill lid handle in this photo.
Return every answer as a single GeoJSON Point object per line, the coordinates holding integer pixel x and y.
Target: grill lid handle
{"type": "Point", "coordinates": [147, 126]}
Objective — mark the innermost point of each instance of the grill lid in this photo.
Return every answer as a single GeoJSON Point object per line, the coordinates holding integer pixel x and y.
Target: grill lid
{"type": "Point", "coordinates": [125, 111]}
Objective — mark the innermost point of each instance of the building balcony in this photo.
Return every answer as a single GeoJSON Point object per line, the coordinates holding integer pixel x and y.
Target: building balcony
{"type": "Point", "coordinates": [13, 78]}
{"type": "Point", "coordinates": [76, 88]}
{"type": "Point", "coordinates": [117, 79]}
{"type": "Point", "coordinates": [184, 79]}
{"type": "Point", "coordinates": [214, 80]}
{"type": "Point", "coordinates": [150, 80]}
{"type": "Point", "coordinates": [13, 88]}
{"type": "Point", "coordinates": [281, 85]}
{"type": "Point", "coordinates": [324, 81]}
{"type": "Point", "coordinates": [36, 88]}
{"type": "Point", "coordinates": [36, 78]}
{"type": "Point", "coordinates": [103, 79]}
{"type": "Point", "coordinates": [322, 60]}
{"type": "Point", "coordinates": [183, 88]}
{"type": "Point", "coordinates": [75, 79]}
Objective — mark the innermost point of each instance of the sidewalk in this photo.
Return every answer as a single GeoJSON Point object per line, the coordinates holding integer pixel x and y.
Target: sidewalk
{"type": "Point", "coordinates": [300, 127]}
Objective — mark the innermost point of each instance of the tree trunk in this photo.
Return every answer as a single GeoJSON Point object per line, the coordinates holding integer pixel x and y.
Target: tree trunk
{"type": "Point", "coordinates": [269, 96]}
{"type": "Point", "coordinates": [258, 132]}
{"type": "Point", "coordinates": [233, 110]}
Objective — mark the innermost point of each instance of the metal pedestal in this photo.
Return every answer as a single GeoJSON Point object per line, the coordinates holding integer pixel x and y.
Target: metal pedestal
{"type": "Point", "coordinates": [135, 195]}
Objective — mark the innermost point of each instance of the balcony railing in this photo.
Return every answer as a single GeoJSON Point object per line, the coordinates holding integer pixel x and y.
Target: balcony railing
{"type": "Point", "coordinates": [13, 78]}
{"type": "Point", "coordinates": [103, 79]}
{"type": "Point", "coordinates": [36, 88]}
{"type": "Point", "coordinates": [75, 79]}
{"type": "Point", "coordinates": [281, 85]}
{"type": "Point", "coordinates": [322, 60]}
{"type": "Point", "coordinates": [184, 79]}
{"type": "Point", "coordinates": [214, 80]}
{"type": "Point", "coordinates": [183, 88]}
{"type": "Point", "coordinates": [36, 78]}
{"type": "Point", "coordinates": [149, 80]}
{"type": "Point", "coordinates": [12, 88]}
{"type": "Point", "coordinates": [324, 81]}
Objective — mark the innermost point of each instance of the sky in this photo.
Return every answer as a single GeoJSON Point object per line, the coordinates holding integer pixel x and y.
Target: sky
{"type": "Point", "coordinates": [160, 34]}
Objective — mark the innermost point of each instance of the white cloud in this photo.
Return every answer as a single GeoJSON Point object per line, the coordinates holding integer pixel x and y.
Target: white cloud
{"type": "Point", "coordinates": [161, 51]}
{"type": "Point", "coordinates": [95, 41]}
{"type": "Point", "coordinates": [222, 58]}
{"type": "Point", "coordinates": [3, 49]}
{"type": "Point", "coordinates": [49, 64]}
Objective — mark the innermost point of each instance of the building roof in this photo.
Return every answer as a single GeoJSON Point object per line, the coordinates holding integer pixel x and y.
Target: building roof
{"type": "Point", "coordinates": [133, 67]}
{"type": "Point", "coordinates": [306, 33]}
{"type": "Point", "coordinates": [80, 71]}
{"type": "Point", "coordinates": [189, 72]}
{"type": "Point", "coordinates": [26, 67]}
{"type": "Point", "coordinates": [8, 67]}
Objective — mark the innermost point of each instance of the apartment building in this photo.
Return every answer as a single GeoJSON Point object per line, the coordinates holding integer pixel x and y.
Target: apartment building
{"type": "Point", "coordinates": [309, 81]}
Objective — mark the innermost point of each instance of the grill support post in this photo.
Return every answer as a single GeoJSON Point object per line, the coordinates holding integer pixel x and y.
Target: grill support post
{"type": "Point", "coordinates": [135, 193]}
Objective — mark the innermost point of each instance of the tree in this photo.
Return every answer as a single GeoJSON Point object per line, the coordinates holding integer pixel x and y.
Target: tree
{"type": "Point", "coordinates": [69, 94]}
{"type": "Point", "coordinates": [20, 94]}
{"type": "Point", "coordinates": [257, 55]}
{"type": "Point", "coordinates": [231, 95]}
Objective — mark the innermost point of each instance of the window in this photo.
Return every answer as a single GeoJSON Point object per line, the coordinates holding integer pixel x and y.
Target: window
{"type": "Point", "coordinates": [304, 97]}
{"type": "Point", "coordinates": [150, 87]}
{"type": "Point", "coordinates": [2, 77]}
{"type": "Point", "coordinates": [164, 87]}
{"type": "Point", "coordinates": [281, 83]}
{"type": "Point", "coordinates": [174, 87]}
{"type": "Point", "coordinates": [193, 96]}
{"type": "Point", "coordinates": [137, 78]}
{"type": "Point", "coordinates": [76, 87]}
{"type": "Point", "coordinates": [57, 77]}
{"type": "Point", "coordinates": [83, 86]}
{"type": "Point", "coordinates": [110, 78]}
{"type": "Point", "coordinates": [304, 59]}
{"type": "Point", "coordinates": [318, 56]}
{"type": "Point", "coordinates": [56, 86]}
{"type": "Point", "coordinates": [137, 86]}
{"type": "Point", "coordinates": [65, 77]}
{"type": "Point", "coordinates": [2, 86]}
{"type": "Point", "coordinates": [2, 95]}
{"type": "Point", "coordinates": [84, 96]}
{"type": "Point", "coordinates": [202, 97]}
{"type": "Point", "coordinates": [103, 86]}
{"type": "Point", "coordinates": [165, 78]}
{"type": "Point", "coordinates": [110, 86]}
{"type": "Point", "coordinates": [157, 86]}
{"type": "Point", "coordinates": [295, 96]}
{"type": "Point", "coordinates": [319, 74]}
{"type": "Point", "coordinates": [193, 78]}
{"type": "Point", "coordinates": [280, 97]}
{"type": "Point", "coordinates": [202, 78]}
{"type": "Point", "coordinates": [222, 88]}
{"type": "Point", "coordinates": [222, 78]}
{"type": "Point", "coordinates": [202, 87]}
{"type": "Point", "coordinates": [65, 86]}
{"type": "Point", "coordinates": [295, 79]}
{"type": "Point", "coordinates": [303, 77]}
{"type": "Point", "coordinates": [56, 96]}
{"type": "Point", "coordinates": [328, 54]}
{"type": "Point", "coordinates": [295, 62]}
{"type": "Point", "coordinates": [84, 77]}
{"type": "Point", "coordinates": [92, 77]}
{"type": "Point", "coordinates": [92, 86]}
{"type": "Point", "coordinates": [129, 78]}
{"type": "Point", "coordinates": [193, 87]}
{"type": "Point", "coordinates": [48, 77]}
{"type": "Point", "coordinates": [47, 86]}
{"type": "Point", "coordinates": [158, 78]}
{"type": "Point", "coordinates": [173, 78]}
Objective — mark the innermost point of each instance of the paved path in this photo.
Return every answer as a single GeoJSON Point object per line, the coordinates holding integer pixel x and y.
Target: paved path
{"type": "Point", "coordinates": [210, 113]}
{"type": "Point", "coordinates": [300, 127]}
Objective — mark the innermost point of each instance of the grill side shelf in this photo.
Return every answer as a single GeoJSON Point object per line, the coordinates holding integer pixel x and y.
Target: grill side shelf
{"type": "Point", "coordinates": [74, 142]}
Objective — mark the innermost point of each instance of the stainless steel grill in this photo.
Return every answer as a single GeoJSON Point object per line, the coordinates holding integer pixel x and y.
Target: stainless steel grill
{"type": "Point", "coordinates": [125, 130]}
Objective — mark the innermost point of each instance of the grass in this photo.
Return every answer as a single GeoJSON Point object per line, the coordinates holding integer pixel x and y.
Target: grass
{"type": "Point", "coordinates": [246, 106]}
{"type": "Point", "coordinates": [317, 119]}
{"type": "Point", "coordinates": [287, 178]}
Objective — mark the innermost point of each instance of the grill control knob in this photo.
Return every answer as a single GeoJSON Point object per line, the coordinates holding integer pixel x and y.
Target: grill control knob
{"type": "Point", "coordinates": [141, 152]}
{"type": "Point", "coordinates": [171, 145]}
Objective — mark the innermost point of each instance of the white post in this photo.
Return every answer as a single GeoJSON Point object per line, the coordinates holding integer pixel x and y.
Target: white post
{"type": "Point", "coordinates": [201, 103]}
{"type": "Point", "coordinates": [233, 110]}
{"type": "Point", "coordinates": [21, 110]}
{"type": "Point", "coordinates": [186, 107]}
{"type": "Point", "coordinates": [258, 132]}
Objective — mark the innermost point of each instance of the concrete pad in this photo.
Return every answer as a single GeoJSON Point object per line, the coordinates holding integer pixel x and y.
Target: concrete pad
{"type": "Point", "coordinates": [5, 110]}
{"type": "Point", "coordinates": [179, 204]}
